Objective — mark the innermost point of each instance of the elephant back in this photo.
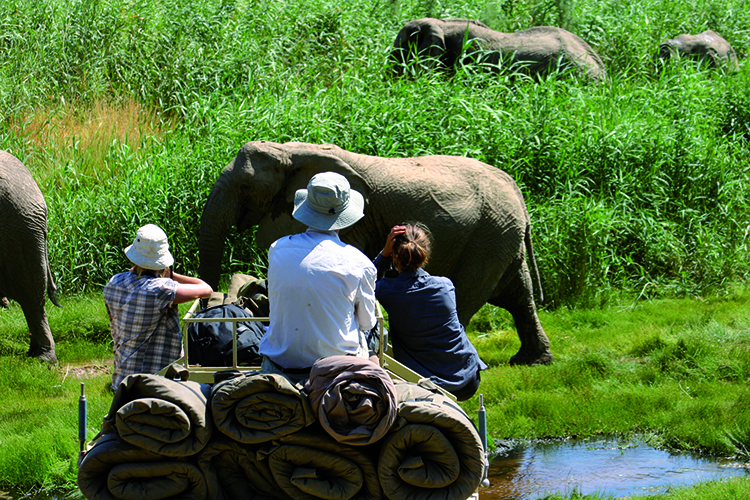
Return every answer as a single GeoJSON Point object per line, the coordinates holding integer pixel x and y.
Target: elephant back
{"type": "Point", "coordinates": [534, 50]}
{"type": "Point", "coordinates": [707, 46]}
{"type": "Point", "coordinates": [19, 189]}
{"type": "Point", "coordinates": [548, 44]}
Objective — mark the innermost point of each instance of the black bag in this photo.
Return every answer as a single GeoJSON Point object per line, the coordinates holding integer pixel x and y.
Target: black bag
{"type": "Point", "coordinates": [210, 344]}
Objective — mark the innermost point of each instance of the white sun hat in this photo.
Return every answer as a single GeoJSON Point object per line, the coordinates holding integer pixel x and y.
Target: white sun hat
{"type": "Point", "coordinates": [150, 249]}
{"type": "Point", "coordinates": [328, 203]}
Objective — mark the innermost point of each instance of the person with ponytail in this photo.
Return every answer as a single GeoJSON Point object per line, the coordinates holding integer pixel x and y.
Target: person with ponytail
{"type": "Point", "coordinates": [425, 332]}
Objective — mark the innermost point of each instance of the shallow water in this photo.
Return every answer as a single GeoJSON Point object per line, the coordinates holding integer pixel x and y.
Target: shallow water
{"type": "Point", "coordinates": [608, 468]}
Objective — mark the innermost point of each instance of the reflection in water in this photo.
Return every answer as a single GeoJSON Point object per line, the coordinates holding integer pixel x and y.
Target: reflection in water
{"type": "Point", "coordinates": [604, 467]}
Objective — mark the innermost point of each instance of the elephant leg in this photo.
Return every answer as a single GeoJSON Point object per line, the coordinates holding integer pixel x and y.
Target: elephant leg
{"type": "Point", "coordinates": [517, 298]}
{"type": "Point", "coordinates": [42, 345]}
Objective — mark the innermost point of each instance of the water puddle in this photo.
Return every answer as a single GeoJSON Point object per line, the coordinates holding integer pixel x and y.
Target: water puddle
{"type": "Point", "coordinates": [607, 468]}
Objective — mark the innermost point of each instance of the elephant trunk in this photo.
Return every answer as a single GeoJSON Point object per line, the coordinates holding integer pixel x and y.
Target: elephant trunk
{"type": "Point", "coordinates": [219, 214]}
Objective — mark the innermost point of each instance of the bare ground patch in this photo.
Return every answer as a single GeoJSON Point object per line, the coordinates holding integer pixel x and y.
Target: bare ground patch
{"type": "Point", "coordinates": [86, 371]}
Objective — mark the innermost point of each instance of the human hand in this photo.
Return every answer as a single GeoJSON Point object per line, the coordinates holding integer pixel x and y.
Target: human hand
{"type": "Point", "coordinates": [388, 248]}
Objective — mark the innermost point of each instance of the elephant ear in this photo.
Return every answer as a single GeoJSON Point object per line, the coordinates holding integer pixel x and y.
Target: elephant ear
{"type": "Point", "coordinates": [300, 162]}
{"type": "Point", "coordinates": [316, 159]}
{"type": "Point", "coordinates": [431, 39]}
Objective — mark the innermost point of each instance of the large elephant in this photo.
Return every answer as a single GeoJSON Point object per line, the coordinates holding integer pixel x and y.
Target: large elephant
{"type": "Point", "coordinates": [24, 267]}
{"type": "Point", "coordinates": [536, 51]}
{"type": "Point", "coordinates": [707, 47]}
{"type": "Point", "coordinates": [476, 213]}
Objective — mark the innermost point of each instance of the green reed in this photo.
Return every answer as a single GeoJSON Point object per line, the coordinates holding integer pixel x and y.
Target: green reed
{"type": "Point", "coordinates": [126, 113]}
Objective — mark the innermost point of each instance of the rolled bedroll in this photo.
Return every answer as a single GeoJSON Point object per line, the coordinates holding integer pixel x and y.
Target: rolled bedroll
{"type": "Point", "coordinates": [353, 399]}
{"type": "Point", "coordinates": [235, 471]}
{"type": "Point", "coordinates": [257, 407]}
{"type": "Point", "coordinates": [116, 470]}
{"type": "Point", "coordinates": [166, 416]}
{"type": "Point", "coordinates": [311, 465]}
{"type": "Point", "coordinates": [434, 451]}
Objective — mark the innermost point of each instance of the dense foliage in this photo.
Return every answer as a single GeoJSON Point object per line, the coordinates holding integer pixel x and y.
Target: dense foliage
{"type": "Point", "coordinates": [126, 111]}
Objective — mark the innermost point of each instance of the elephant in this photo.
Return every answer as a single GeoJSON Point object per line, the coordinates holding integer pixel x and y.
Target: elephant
{"type": "Point", "coordinates": [25, 272]}
{"type": "Point", "coordinates": [476, 215]}
{"type": "Point", "coordinates": [536, 51]}
{"type": "Point", "coordinates": [707, 47]}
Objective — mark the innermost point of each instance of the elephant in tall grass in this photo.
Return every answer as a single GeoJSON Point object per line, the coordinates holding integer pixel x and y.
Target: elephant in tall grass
{"type": "Point", "coordinates": [535, 51]}
{"type": "Point", "coordinates": [24, 266]}
{"type": "Point", "coordinates": [475, 213]}
{"type": "Point", "coordinates": [708, 48]}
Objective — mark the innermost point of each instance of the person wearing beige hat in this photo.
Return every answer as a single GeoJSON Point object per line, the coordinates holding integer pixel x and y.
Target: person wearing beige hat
{"type": "Point", "coordinates": [321, 291]}
{"type": "Point", "coordinates": [142, 306]}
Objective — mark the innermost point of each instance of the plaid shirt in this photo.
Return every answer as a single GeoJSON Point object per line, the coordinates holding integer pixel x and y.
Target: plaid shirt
{"type": "Point", "coordinates": [145, 325]}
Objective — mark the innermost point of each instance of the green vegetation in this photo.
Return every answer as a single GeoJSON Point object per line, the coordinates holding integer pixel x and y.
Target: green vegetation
{"type": "Point", "coordinates": [125, 112]}
{"type": "Point", "coordinates": [738, 488]}
{"type": "Point", "coordinates": [673, 370]}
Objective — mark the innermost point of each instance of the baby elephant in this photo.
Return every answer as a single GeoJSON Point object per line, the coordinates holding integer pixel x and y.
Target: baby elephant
{"type": "Point", "coordinates": [536, 51]}
{"type": "Point", "coordinates": [707, 47]}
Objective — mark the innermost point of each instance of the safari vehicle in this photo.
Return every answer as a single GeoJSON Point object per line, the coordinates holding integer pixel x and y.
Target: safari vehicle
{"type": "Point", "coordinates": [95, 479]}
{"type": "Point", "coordinates": [206, 374]}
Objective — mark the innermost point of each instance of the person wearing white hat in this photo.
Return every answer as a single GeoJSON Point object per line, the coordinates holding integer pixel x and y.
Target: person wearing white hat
{"type": "Point", "coordinates": [142, 306]}
{"type": "Point", "coordinates": [321, 291]}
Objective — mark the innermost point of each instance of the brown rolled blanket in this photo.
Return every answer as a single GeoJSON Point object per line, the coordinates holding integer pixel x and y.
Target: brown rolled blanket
{"type": "Point", "coordinates": [165, 416]}
{"type": "Point", "coordinates": [237, 471]}
{"type": "Point", "coordinates": [353, 399]}
{"type": "Point", "coordinates": [310, 465]}
{"type": "Point", "coordinates": [434, 451]}
{"type": "Point", "coordinates": [257, 407]}
{"type": "Point", "coordinates": [116, 470]}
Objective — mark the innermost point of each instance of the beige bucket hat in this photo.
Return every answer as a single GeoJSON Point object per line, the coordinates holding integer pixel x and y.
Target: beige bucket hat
{"type": "Point", "coordinates": [328, 203]}
{"type": "Point", "coordinates": [150, 249]}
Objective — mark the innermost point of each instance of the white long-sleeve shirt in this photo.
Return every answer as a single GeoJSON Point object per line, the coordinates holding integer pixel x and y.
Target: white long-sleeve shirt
{"type": "Point", "coordinates": [321, 292]}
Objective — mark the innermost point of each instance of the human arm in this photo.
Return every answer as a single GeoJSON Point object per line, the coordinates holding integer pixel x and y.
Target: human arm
{"type": "Point", "coordinates": [383, 259]}
{"type": "Point", "coordinates": [364, 304]}
{"type": "Point", "coordinates": [388, 248]}
{"type": "Point", "coordinates": [188, 288]}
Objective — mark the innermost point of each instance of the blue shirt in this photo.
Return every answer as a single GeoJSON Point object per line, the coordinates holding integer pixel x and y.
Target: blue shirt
{"type": "Point", "coordinates": [425, 332]}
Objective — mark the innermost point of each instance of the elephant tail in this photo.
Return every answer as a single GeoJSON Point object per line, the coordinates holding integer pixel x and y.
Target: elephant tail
{"type": "Point", "coordinates": [52, 293]}
{"type": "Point", "coordinates": [535, 279]}
{"type": "Point", "coordinates": [51, 287]}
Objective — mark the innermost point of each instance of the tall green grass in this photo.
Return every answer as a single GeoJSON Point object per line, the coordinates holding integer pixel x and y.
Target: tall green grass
{"type": "Point", "coordinates": [127, 111]}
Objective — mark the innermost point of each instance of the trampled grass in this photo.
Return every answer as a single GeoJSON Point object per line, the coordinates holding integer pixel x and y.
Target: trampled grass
{"type": "Point", "coordinates": [39, 421]}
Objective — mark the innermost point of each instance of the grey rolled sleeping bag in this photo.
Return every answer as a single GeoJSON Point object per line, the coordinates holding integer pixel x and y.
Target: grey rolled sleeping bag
{"type": "Point", "coordinates": [433, 452]}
